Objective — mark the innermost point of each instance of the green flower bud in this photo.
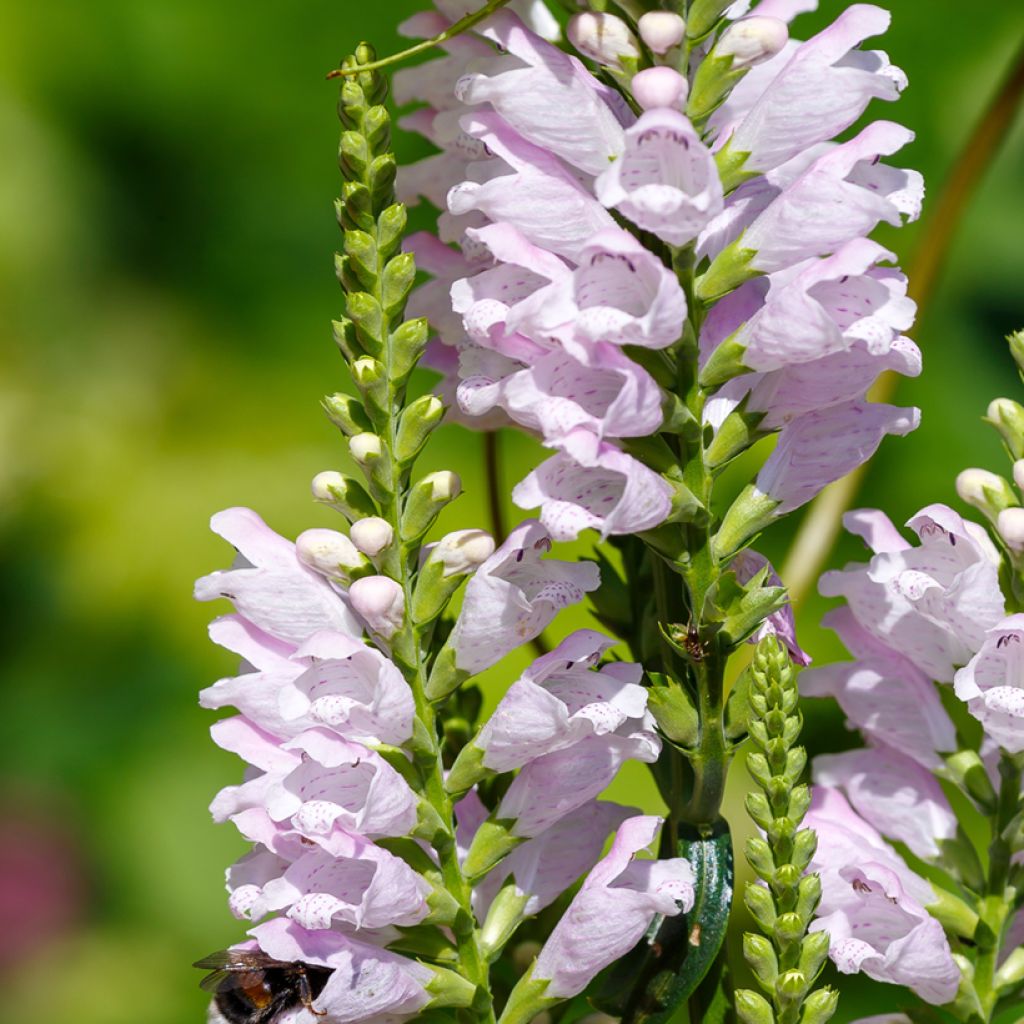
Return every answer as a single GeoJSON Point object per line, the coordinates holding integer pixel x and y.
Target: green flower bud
{"type": "Point", "coordinates": [369, 375]}
{"type": "Point", "coordinates": [752, 1008]}
{"type": "Point", "coordinates": [346, 413]}
{"type": "Point", "coordinates": [760, 810]}
{"type": "Point", "coordinates": [391, 226]}
{"type": "Point", "coordinates": [813, 954]}
{"type": "Point", "coordinates": [759, 856]}
{"type": "Point", "coordinates": [397, 282]}
{"type": "Point", "coordinates": [1007, 416]}
{"type": "Point", "coordinates": [503, 918]}
{"type": "Point", "coordinates": [808, 896]}
{"type": "Point", "coordinates": [786, 877]}
{"type": "Point", "coordinates": [417, 423]}
{"type": "Point", "coordinates": [358, 268]}
{"type": "Point", "coordinates": [445, 676]}
{"type": "Point", "coordinates": [426, 499]}
{"type": "Point", "coordinates": [819, 1006]}
{"type": "Point", "coordinates": [407, 344]}
{"type": "Point", "coordinates": [365, 312]}
{"type": "Point", "coordinates": [791, 986]}
{"type": "Point", "coordinates": [1011, 973]}
{"type": "Point", "coordinates": [343, 494]}
{"type": "Point", "coordinates": [759, 902]}
{"type": "Point", "coordinates": [674, 711]}
{"type": "Point", "coordinates": [758, 952]}
{"type": "Point", "coordinates": [789, 928]}
{"type": "Point", "coordinates": [344, 332]}
{"type": "Point", "coordinates": [805, 843]}
{"type": "Point", "coordinates": [353, 155]}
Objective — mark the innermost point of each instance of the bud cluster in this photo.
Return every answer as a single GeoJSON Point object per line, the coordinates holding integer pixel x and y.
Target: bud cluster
{"type": "Point", "coordinates": [786, 960]}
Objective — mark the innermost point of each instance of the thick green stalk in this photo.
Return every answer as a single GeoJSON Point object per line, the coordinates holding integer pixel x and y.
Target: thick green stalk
{"type": "Point", "coordinates": [997, 903]}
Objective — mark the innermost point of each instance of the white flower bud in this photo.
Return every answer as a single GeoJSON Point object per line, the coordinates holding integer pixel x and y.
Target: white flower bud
{"type": "Point", "coordinates": [444, 485]}
{"type": "Point", "coordinates": [602, 37]}
{"type": "Point", "coordinates": [364, 447]}
{"type": "Point", "coordinates": [463, 551]}
{"type": "Point", "coordinates": [372, 535]}
{"type": "Point", "coordinates": [752, 40]}
{"type": "Point", "coordinates": [984, 490]}
{"type": "Point", "coordinates": [328, 552]}
{"type": "Point", "coordinates": [661, 30]}
{"type": "Point", "coordinates": [1018, 474]}
{"type": "Point", "coordinates": [1010, 525]}
{"type": "Point", "coordinates": [660, 87]}
{"type": "Point", "coordinates": [380, 603]}
{"type": "Point", "coordinates": [326, 482]}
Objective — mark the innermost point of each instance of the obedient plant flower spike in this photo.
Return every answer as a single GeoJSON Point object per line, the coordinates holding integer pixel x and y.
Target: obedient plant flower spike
{"type": "Point", "coordinates": [382, 350]}
{"type": "Point", "coordinates": [788, 961]}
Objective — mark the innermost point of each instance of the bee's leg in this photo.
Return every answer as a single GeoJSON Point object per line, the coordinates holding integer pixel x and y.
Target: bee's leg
{"type": "Point", "coordinates": [306, 996]}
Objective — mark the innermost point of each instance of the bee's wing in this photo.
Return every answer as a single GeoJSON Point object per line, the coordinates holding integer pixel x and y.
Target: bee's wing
{"type": "Point", "coordinates": [215, 982]}
{"type": "Point", "coordinates": [238, 960]}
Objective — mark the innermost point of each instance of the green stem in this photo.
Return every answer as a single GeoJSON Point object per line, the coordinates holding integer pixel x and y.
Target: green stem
{"type": "Point", "coordinates": [998, 901]}
{"type": "Point", "coordinates": [462, 25]}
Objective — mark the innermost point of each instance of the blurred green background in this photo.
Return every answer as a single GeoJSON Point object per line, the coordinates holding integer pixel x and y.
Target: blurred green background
{"type": "Point", "coordinates": [166, 288]}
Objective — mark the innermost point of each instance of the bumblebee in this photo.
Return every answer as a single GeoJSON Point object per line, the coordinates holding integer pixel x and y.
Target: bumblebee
{"type": "Point", "coordinates": [249, 987]}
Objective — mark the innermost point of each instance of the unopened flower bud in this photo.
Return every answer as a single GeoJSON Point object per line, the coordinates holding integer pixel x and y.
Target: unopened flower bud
{"type": "Point", "coordinates": [344, 494]}
{"type": "Point", "coordinates": [1007, 416]}
{"type": "Point", "coordinates": [330, 553]}
{"type": "Point", "coordinates": [1018, 474]}
{"type": "Point", "coordinates": [367, 371]}
{"type": "Point", "coordinates": [1010, 525]}
{"type": "Point", "coordinates": [346, 413]}
{"type": "Point", "coordinates": [819, 1006]}
{"type": "Point", "coordinates": [416, 425]}
{"type": "Point", "coordinates": [660, 87]}
{"type": "Point", "coordinates": [751, 41]}
{"type": "Point", "coordinates": [661, 30]}
{"type": "Point", "coordinates": [365, 447]}
{"type": "Point", "coordinates": [753, 1008]}
{"type": "Point", "coordinates": [1016, 342]}
{"type": "Point", "coordinates": [426, 499]}
{"type": "Point", "coordinates": [604, 38]}
{"type": "Point", "coordinates": [985, 491]}
{"type": "Point", "coordinates": [372, 535]}
{"type": "Point", "coordinates": [380, 602]}
{"type": "Point", "coordinates": [463, 551]}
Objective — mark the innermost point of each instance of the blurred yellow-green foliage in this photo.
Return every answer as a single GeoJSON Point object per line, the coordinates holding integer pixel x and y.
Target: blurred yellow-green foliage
{"type": "Point", "coordinates": [166, 235]}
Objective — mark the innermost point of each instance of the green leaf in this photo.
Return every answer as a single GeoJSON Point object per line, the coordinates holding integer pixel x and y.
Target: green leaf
{"type": "Point", "coordinates": [661, 973]}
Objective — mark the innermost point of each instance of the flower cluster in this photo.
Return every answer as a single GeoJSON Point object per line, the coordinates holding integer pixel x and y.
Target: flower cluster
{"type": "Point", "coordinates": [322, 715]}
{"type": "Point", "coordinates": [544, 313]}
{"type": "Point", "coordinates": [917, 616]}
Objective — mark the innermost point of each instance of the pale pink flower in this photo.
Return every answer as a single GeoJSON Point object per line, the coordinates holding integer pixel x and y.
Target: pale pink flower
{"type": "Point", "coordinates": [843, 194]}
{"type": "Point", "coordinates": [992, 684]}
{"type": "Point", "coordinates": [616, 904]}
{"type": "Point", "coordinates": [559, 700]}
{"type": "Point", "coordinates": [619, 292]}
{"type": "Point", "coordinates": [556, 784]}
{"type": "Point", "coordinates": [514, 596]}
{"type": "Point", "coordinates": [270, 587]}
{"type": "Point", "coordinates": [823, 445]}
{"type": "Point", "coordinates": [820, 91]}
{"type": "Point", "coordinates": [350, 687]}
{"type": "Point", "coordinates": [535, 97]}
{"type": "Point", "coordinates": [665, 181]}
{"type": "Point", "coordinates": [893, 793]}
{"type": "Point", "coordinates": [367, 983]}
{"type": "Point", "coordinates": [873, 905]}
{"type": "Point", "coordinates": [314, 781]}
{"type": "Point", "coordinates": [888, 698]}
{"type": "Point", "coordinates": [934, 603]}
{"type": "Point", "coordinates": [543, 868]}
{"type": "Point", "coordinates": [591, 483]}
{"type": "Point", "coordinates": [824, 307]}
{"type": "Point", "coordinates": [560, 216]}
